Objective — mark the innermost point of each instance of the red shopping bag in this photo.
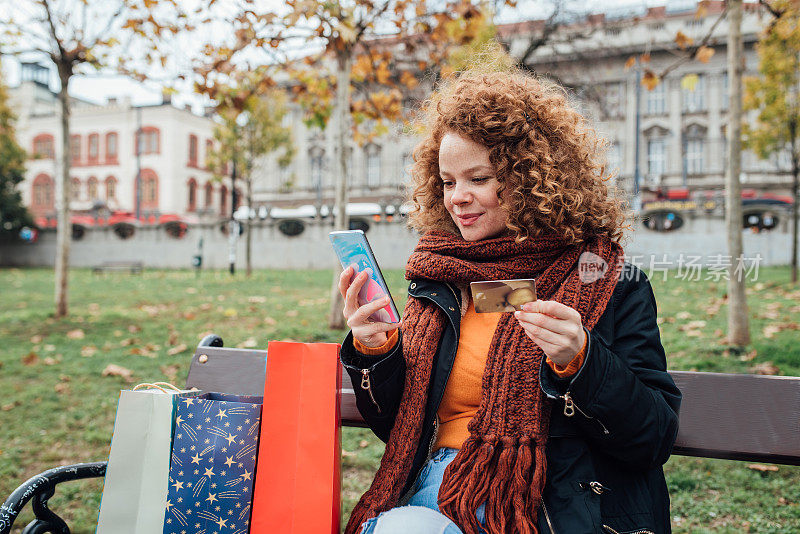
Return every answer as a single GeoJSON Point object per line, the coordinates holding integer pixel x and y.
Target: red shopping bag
{"type": "Point", "coordinates": [298, 475]}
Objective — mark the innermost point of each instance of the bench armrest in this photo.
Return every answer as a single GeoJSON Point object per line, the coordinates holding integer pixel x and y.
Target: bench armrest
{"type": "Point", "coordinates": [40, 488]}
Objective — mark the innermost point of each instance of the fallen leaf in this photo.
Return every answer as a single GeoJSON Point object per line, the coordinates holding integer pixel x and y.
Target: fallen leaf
{"type": "Point", "coordinates": [30, 359]}
{"type": "Point", "coordinates": [133, 329]}
{"type": "Point", "coordinates": [49, 348]}
{"type": "Point", "coordinates": [270, 321]}
{"type": "Point", "coordinates": [230, 312]}
{"type": "Point", "coordinates": [117, 333]}
{"type": "Point", "coordinates": [189, 315]}
{"type": "Point", "coordinates": [763, 468]}
{"type": "Point", "coordinates": [191, 290]}
{"type": "Point", "coordinates": [61, 388]}
{"type": "Point", "coordinates": [76, 334]}
{"type": "Point", "coordinates": [170, 371]}
{"type": "Point", "coordinates": [291, 313]}
{"type": "Point", "coordinates": [127, 342]}
{"type": "Point", "coordinates": [683, 315]}
{"type": "Point", "coordinates": [50, 361]}
{"type": "Point", "coordinates": [177, 349]}
{"type": "Point", "coordinates": [765, 368]}
{"type": "Point", "coordinates": [348, 454]}
{"type": "Point", "coordinates": [206, 306]}
{"type": "Point", "coordinates": [749, 357]}
{"type": "Point", "coordinates": [36, 339]}
{"type": "Point", "coordinates": [248, 343]}
{"type": "Point", "coordinates": [256, 300]}
{"type": "Point", "coordinates": [363, 443]}
{"type": "Point", "coordinates": [173, 338]}
{"type": "Point", "coordinates": [88, 351]}
{"type": "Point", "coordinates": [117, 370]}
{"type": "Point", "coordinates": [770, 330]}
{"type": "Point", "coordinates": [8, 407]}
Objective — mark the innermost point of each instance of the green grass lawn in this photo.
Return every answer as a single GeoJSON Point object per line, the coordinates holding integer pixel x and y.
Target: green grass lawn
{"type": "Point", "coordinates": [57, 408]}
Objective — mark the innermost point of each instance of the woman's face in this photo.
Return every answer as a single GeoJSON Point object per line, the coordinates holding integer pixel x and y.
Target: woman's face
{"type": "Point", "coordinates": [470, 188]}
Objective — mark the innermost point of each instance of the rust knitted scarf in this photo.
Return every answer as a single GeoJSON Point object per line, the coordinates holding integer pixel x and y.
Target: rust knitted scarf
{"type": "Point", "coordinates": [502, 462]}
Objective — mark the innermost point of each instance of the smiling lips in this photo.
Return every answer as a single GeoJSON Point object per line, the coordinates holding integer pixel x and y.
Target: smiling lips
{"type": "Point", "coordinates": [468, 219]}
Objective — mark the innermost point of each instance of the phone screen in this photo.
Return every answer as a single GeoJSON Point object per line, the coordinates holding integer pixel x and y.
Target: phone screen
{"type": "Point", "coordinates": [353, 249]}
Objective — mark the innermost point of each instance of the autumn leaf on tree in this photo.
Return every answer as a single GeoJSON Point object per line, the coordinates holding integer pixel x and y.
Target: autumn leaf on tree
{"type": "Point", "coordinates": [650, 80]}
{"type": "Point", "coordinates": [704, 54]}
{"type": "Point", "coordinates": [683, 41]}
{"type": "Point", "coordinates": [630, 62]}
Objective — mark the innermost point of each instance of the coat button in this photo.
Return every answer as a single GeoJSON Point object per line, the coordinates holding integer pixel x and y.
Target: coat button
{"type": "Point", "coordinates": [433, 294]}
{"type": "Point", "coordinates": [452, 308]}
{"type": "Point", "coordinates": [414, 285]}
{"type": "Point", "coordinates": [203, 358]}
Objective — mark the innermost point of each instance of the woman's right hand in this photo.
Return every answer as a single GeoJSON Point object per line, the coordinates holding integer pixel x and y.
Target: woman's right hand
{"type": "Point", "coordinates": [369, 333]}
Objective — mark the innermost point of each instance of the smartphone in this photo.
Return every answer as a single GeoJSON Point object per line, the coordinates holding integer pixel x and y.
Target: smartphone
{"type": "Point", "coordinates": [502, 295]}
{"type": "Point", "coordinates": [352, 248]}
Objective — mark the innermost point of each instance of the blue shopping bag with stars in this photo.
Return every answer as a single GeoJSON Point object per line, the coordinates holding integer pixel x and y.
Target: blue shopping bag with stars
{"type": "Point", "coordinates": [213, 464]}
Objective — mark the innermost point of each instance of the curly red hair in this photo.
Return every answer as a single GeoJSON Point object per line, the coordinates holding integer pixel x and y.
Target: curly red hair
{"type": "Point", "coordinates": [541, 148]}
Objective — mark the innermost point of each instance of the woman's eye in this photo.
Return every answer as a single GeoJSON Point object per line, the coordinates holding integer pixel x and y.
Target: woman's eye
{"type": "Point", "coordinates": [480, 179]}
{"type": "Point", "coordinates": [447, 184]}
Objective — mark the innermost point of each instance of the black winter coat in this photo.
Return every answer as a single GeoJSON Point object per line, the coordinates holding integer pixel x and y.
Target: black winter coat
{"type": "Point", "coordinates": [604, 456]}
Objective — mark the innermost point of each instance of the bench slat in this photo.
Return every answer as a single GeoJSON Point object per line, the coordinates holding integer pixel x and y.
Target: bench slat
{"type": "Point", "coordinates": [736, 417]}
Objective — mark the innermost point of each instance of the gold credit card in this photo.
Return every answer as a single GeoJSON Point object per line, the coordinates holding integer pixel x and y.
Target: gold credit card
{"type": "Point", "coordinates": [502, 295]}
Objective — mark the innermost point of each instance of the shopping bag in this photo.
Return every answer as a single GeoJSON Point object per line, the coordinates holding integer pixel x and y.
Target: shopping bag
{"type": "Point", "coordinates": [135, 488]}
{"type": "Point", "coordinates": [298, 479]}
{"type": "Point", "coordinates": [213, 464]}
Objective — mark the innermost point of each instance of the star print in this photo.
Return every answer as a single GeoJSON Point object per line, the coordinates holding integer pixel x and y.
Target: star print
{"type": "Point", "coordinates": [191, 448]}
{"type": "Point", "coordinates": [241, 442]}
{"type": "Point", "coordinates": [169, 520]}
{"type": "Point", "coordinates": [238, 505]}
{"type": "Point", "coordinates": [238, 428]}
{"type": "Point", "coordinates": [221, 413]}
{"type": "Point", "coordinates": [211, 498]}
{"type": "Point", "coordinates": [207, 441]}
{"type": "Point", "coordinates": [180, 436]}
{"type": "Point", "coordinates": [178, 420]}
{"type": "Point", "coordinates": [222, 523]}
{"type": "Point", "coordinates": [180, 473]}
{"type": "Point", "coordinates": [223, 473]}
{"type": "Point", "coordinates": [197, 504]}
{"type": "Point", "coordinates": [246, 475]}
{"type": "Point", "coordinates": [213, 486]}
{"type": "Point", "coordinates": [183, 449]}
{"type": "Point", "coordinates": [178, 486]}
{"type": "Point", "coordinates": [230, 512]}
{"type": "Point", "coordinates": [180, 499]}
{"type": "Point", "coordinates": [199, 427]}
{"type": "Point", "coordinates": [224, 449]}
{"type": "Point", "coordinates": [227, 424]}
{"type": "Point", "coordinates": [247, 421]}
{"type": "Point", "coordinates": [209, 472]}
{"type": "Point", "coordinates": [231, 438]}
{"type": "Point", "coordinates": [191, 415]}
{"type": "Point", "coordinates": [188, 402]}
{"type": "Point", "coordinates": [229, 461]}
{"type": "Point", "coordinates": [196, 472]}
{"type": "Point", "coordinates": [169, 504]}
{"type": "Point", "coordinates": [208, 419]}
{"type": "Point", "coordinates": [196, 459]}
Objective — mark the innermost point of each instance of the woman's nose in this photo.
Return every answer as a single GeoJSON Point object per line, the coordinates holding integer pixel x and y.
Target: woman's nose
{"type": "Point", "coordinates": [461, 194]}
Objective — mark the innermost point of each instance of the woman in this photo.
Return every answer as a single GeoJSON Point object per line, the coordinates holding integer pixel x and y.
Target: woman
{"type": "Point", "coordinates": [553, 419]}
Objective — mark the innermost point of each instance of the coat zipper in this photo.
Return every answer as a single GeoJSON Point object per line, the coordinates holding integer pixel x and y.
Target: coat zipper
{"type": "Point", "coordinates": [366, 384]}
{"type": "Point", "coordinates": [547, 518]}
{"type": "Point", "coordinates": [641, 531]}
{"type": "Point", "coordinates": [570, 407]}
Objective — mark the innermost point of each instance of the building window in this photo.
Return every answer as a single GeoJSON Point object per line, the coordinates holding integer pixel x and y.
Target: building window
{"type": "Point", "coordinates": [111, 147]}
{"type": "Point", "coordinates": [317, 158]}
{"type": "Point", "coordinates": [192, 195]}
{"type": "Point", "coordinates": [694, 152]}
{"type": "Point", "coordinates": [43, 146]}
{"type": "Point", "coordinates": [693, 93]}
{"type": "Point", "coordinates": [656, 157]}
{"type": "Point", "coordinates": [192, 150]}
{"type": "Point", "coordinates": [149, 141]}
{"type": "Point", "coordinates": [209, 150]}
{"type": "Point", "coordinates": [223, 200]}
{"type": "Point", "coordinates": [725, 92]}
{"type": "Point", "coordinates": [209, 195]}
{"type": "Point", "coordinates": [75, 148]}
{"type": "Point", "coordinates": [614, 99]}
{"type": "Point", "coordinates": [43, 194]}
{"type": "Point", "coordinates": [76, 189]}
{"type": "Point", "coordinates": [111, 188]}
{"type": "Point", "coordinates": [373, 165]}
{"type": "Point", "coordinates": [91, 188]}
{"type": "Point", "coordinates": [657, 99]}
{"type": "Point", "coordinates": [94, 148]}
{"type": "Point", "coordinates": [615, 158]}
{"type": "Point", "coordinates": [149, 198]}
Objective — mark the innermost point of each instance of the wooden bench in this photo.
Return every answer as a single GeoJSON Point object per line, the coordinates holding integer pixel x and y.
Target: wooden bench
{"type": "Point", "coordinates": [736, 417]}
{"type": "Point", "coordinates": [132, 267]}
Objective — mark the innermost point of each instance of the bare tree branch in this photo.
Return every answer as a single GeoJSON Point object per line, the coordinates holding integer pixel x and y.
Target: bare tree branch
{"type": "Point", "coordinates": [692, 50]}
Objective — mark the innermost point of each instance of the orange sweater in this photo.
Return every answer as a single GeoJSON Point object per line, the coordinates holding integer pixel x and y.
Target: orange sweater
{"type": "Point", "coordinates": [462, 394]}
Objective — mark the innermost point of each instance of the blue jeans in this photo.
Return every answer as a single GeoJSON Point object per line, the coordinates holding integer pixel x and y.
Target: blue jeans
{"type": "Point", "coordinates": [421, 515]}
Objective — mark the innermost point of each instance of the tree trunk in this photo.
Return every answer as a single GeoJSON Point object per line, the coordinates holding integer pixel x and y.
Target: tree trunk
{"type": "Point", "coordinates": [248, 247]}
{"type": "Point", "coordinates": [64, 193]}
{"type": "Point", "coordinates": [738, 326]}
{"type": "Point", "coordinates": [795, 174]}
{"type": "Point", "coordinates": [341, 115]}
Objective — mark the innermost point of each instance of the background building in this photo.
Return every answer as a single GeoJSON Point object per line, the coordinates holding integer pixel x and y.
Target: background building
{"type": "Point", "coordinates": [104, 163]}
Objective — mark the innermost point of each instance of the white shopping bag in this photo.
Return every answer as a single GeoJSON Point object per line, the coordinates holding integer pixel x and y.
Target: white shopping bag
{"type": "Point", "coordinates": [135, 490]}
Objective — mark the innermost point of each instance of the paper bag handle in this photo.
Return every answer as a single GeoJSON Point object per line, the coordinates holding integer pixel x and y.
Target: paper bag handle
{"type": "Point", "coordinates": [168, 386]}
{"type": "Point", "coordinates": [149, 386]}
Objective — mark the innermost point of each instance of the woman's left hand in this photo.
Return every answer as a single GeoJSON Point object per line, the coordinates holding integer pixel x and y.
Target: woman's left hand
{"type": "Point", "coordinates": [555, 327]}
